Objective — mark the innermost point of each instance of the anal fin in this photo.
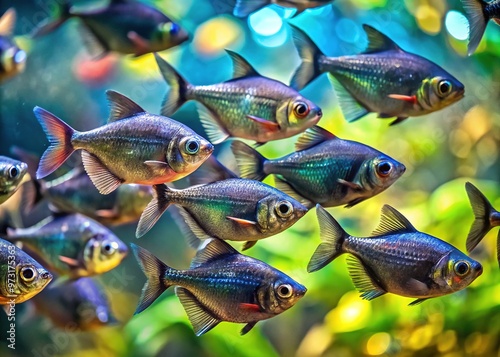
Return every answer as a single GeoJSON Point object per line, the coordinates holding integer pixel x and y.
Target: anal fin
{"type": "Point", "coordinates": [350, 107]}
{"type": "Point", "coordinates": [105, 181]}
{"type": "Point", "coordinates": [363, 280]}
{"type": "Point", "coordinates": [201, 320]}
{"type": "Point", "coordinates": [216, 134]}
{"type": "Point", "coordinates": [189, 227]}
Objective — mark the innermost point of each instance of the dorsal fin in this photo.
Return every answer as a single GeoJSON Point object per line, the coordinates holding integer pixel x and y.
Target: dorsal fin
{"type": "Point", "coordinates": [391, 222]}
{"type": "Point", "coordinates": [378, 42]}
{"type": "Point", "coordinates": [121, 107]}
{"type": "Point", "coordinates": [7, 22]}
{"type": "Point", "coordinates": [312, 137]}
{"type": "Point", "coordinates": [211, 249]}
{"type": "Point", "coordinates": [241, 67]}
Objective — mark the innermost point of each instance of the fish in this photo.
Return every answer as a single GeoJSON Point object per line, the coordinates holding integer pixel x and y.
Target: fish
{"type": "Point", "coordinates": [396, 259]}
{"type": "Point", "coordinates": [12, 58]}
{"type": "Point", "coordinates": [21, 276]}
{"type": "Point", "coordinates": [249, 106]}
{"type": "Point", "coordinates": [220, 285]}
{"type": "Point", "coordinates": [74, 192]}
{"type": "Point", "coordinates": [243, 8]}
{"type": "Point", "coordinates": [80, 303]}
{"type": "Point", "coordinates": [230, 209]}
{"type": "Point", "coordinates": [72, 246]}
{"type": "Point", "coordinates": [478, 14]}
{"type": "Point", "coordinates": [123, 26]}
{"type": "Point", "coordinates": [324, 169]}
{"type": "Point", "coordinates": [384, 79]}
{"type": "Point", "coordinates": [133, 147]}
{"type": "Point", "coordinates": [485, 218]}
{"type": "Point", "coordinates": [11, 176]}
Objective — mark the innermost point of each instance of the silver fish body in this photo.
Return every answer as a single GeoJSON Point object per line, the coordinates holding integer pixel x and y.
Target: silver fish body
{"type": "Point", "coordinates": [221, 285]}
{"type": "Point", "coordinates": [396, 258]}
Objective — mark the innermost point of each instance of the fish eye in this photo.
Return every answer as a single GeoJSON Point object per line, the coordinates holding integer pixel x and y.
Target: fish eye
{"type": "Point", "coordinates": [284, 209]}
{"type": "Point", "coordinates": [174, 29]}
{"type": "Point", "coordinates": [444, 87]}
{"type": "Point", "coordinates": [192, 146]}
{"type": "Point", "coordinates": [285, 291]}
{"type": "Point", "coordinates": [13, 172]}
{"type": "Point", "coordinates": [108, 248]}
{"type": "Point", "coordinates": [28, 273]}
{"type": "Point", "coordinates": [384, 168]}
{"type": "Point", "coordinates": [462, 268]}
{"type": "Point", "coordinates": [301, 109]}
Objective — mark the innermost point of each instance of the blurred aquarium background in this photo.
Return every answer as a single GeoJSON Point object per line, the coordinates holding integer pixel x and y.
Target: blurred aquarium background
{"type": "Point", "coordinates": [441, 152]}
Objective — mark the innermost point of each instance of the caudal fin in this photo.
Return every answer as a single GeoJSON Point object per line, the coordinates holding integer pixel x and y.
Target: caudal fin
{"type": "Point", "coordinates": [59, 135]}
{"type": "Point", "coordinates": [482, 210]}
{"type": "Point", "coordinates": [332, 236]}
{"type": "Point", "coordinates": [250, 162]}
{"type": "Point", "coordinates": [309, 54]}
{"type": "Point", "coordinates": [474, 10]}
{"type": "Point", "coordinates": [155, 270]}
{"type": "Point", "coordinates": [176, 95]}
{"type": "Point", "coordinates": [154, 209]}
{"type": "Point", "coordinates": [60, 16]}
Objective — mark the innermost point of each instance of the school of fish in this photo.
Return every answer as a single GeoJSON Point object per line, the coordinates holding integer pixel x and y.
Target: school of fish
{"type": "Point", "coordinates": [127, 162]}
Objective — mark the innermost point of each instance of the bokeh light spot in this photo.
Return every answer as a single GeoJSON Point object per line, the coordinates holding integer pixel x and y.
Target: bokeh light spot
{"type": "Point", "coordinates": [456, 25]}
{"type": "Point", "coordinates": [265, 22]}
{"type": "Point", "coordinates": [428, 19]}
{"type": "Point", "coordinates": [347, 30]}
{"type": "Point", "coordinates": [216, 34]}
{"type": "Point", "coordinates": [378, 343]}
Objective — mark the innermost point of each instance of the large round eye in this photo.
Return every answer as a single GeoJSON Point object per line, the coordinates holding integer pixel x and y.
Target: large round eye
{"type": "Point", "coordinates": [108, 248]}
{"type": "Point", "coordinates": [174, 29]}
{"type": "Point", "coordinates": [28, 273]}
{"type": "Point", "coordinates": [444, 87]}
{"type": "Point", "coordinates": [13, 172]}
{"type": "Point", "coordinates": [284, 209]}
{"type": "Point", "coordinates": [192, 146]}
{"type": "Point", "coordinates": [384, 168]}
{"type": "Point", "coordinates": [462, 268]}
{"type": "Point", "coordinates": [301, 109]}
{"type": "Point", "coordinates": [285, 291]}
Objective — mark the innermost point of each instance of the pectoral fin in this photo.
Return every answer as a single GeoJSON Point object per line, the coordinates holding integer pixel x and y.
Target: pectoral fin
{"type": "Point", "coordinates": [406, 98]}
{"type": "Point", "coordinates": [242, 222]}
{"type": "Point", "coordinates": [141, 45]}
{"type": "Point", "coordinates": [106, 213]}
{"type": "Point", "coordinates": [266, 125]}
{"type": "Point", "coordinates": [250, 307]}
{"type": "Point", "coordinates": [70, 261]}
{"type": "Point", "coordinates": [350, 184]}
